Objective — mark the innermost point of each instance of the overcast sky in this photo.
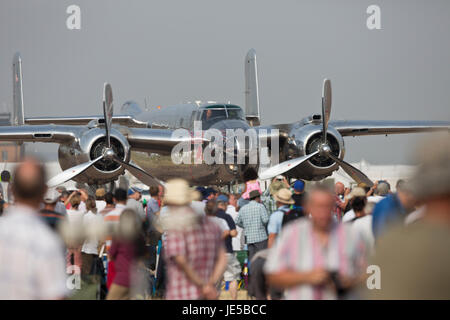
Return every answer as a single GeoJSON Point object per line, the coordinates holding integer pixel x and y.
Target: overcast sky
{"type": "Point", "coordinates": [175, 51]}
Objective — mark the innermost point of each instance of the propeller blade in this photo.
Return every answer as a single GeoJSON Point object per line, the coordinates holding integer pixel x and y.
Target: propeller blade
{"type": "Point", "coordinates": [353, 172]}
{"type": "Point", "coordinates": [71, 173]}
{"type": "Point", "coordinates": [139, 173]}
{"type": "Point", "coordinates": [326, 107]}
{"type": "Point", "coordinates": [285, 166]}
{"type": "Point", "coordinates": [108, 111]}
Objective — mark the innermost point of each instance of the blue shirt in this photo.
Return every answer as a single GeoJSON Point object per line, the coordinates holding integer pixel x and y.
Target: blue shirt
{"type": "Point", "coordinates": [386, 212]}
{"type": "Point", "coordinates": [276, 220]}
{"type": "Point", "coordinates": [152, 208]}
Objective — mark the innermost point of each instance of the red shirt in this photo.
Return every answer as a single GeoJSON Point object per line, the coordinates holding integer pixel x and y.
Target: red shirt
{"type": "Point", "coordinates": [123, 256]}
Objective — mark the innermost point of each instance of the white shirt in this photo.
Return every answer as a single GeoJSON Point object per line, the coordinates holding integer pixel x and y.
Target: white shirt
{"type": "Point", "coordinates": [82, 206]}
{"type": "Point", "coordinates": [198, 207]}
{"type": "Point", "coordinates": [100, 204]}
{"type": "Point", "coordinates": [75, 216]}
{"type": "Point", "coordinates": [220, 222]}
{"type": "Point", "coordinates": [362, 228]}
{"type": "Point", "coordinates": [235, 241]}
{"type": "Point", "coordinates": [375, 199]}
{"type": "Point", "coordinates": [349, 215]}
{"type": "Point", "coordinates": [91, 221]}
{"type": "Point", "coordinates": [117, 211]}
{"type": "Point", "coordinates": [32, 257]}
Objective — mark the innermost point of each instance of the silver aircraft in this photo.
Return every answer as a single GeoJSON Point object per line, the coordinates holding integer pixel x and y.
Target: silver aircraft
{"type": "Point", "coordinates": [98, 149]}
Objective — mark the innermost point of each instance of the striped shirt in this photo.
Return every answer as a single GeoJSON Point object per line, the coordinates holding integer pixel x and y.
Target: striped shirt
{"type": "Point", "coordinates": [298, 249]}
{"type": "Point", "coordinates": [253, 218]}
{"type": "Point", "coordinates": [111, 220]}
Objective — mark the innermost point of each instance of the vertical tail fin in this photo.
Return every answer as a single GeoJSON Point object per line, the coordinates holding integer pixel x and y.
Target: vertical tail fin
{"type": "Point", "coordinates": [18, 113]}
{"type": "Point", "coordinates": [251, 89]}
{"type": "Point", "coordinates": [18, 110]}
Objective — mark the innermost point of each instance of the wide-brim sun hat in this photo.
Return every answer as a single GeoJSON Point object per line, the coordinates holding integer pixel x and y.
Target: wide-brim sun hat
{"type": "Point", "coordinates": [356, 192]}
{"type": "Point", "coordinates": [178, 192]}
{"type": "Point", "coordinates": [284, 196]}
{"type": "Point", "coordinates": [275, 187]}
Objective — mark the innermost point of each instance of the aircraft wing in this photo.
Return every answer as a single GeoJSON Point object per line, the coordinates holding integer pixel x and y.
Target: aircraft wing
{"type": "Point", "coordinates": [375, 127]}
{"type": "Point", "coordinates": [126, 120]}
{"type": "Point", "coordinates": [140, 139]}
{"type": "Point", "coordinates": [40, 133]}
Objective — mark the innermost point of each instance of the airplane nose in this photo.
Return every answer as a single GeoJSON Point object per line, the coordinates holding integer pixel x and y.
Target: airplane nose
{"type": "Point", "coordinates": [236, 142]}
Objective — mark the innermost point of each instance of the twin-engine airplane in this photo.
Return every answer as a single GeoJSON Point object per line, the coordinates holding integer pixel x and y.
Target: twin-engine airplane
{"type": "Point", "coordinates": [98, 149]}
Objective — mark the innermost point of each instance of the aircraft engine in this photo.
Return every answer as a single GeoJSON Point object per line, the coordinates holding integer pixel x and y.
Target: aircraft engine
{"type": "Point", "coordinates": [308, 139]}
{"type": "Point", "coordinates": [100, 154]}
{"type": "Point", "coordinates": [91, 145]}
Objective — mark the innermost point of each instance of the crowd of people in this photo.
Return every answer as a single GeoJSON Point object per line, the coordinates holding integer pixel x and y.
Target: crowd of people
{"type": "Point", "coordinates": [291, 241]}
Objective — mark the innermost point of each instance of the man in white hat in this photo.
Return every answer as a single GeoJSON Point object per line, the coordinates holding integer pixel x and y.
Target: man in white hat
{"type": "Point", "coordinates": [283, 200]}
{"type": "Point", "coordinates": [193, 247]}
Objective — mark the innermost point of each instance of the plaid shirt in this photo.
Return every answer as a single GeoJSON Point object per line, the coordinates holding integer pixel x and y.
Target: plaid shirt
{"type": "Point", "coordinates": [253, 218]}
{"type": "Point", "coordinates": [32, 257]}
{"type": "Point", "coordinates": [270, 204]}
{"type": "Point", "coordinates": [199, 245]}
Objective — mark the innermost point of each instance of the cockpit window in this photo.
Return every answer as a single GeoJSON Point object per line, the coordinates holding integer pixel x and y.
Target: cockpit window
{"type": "Point", "coordinates": [214, 114]}
{"type": "Point", "coordinates": [235, 113]}
{"type": "Point", "coordinates": [221, 112]}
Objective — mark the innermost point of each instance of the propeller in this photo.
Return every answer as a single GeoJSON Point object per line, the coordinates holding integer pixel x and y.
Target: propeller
{"type": "Point", "coordinates": [323, 149]}
{"type": "Point", "coordinates": [108, 111]}
{"type": "Point", "coordinates": [285, 166]}
{"type": "Point", "coordinates": [326, 107]}
{"type": "Point", "coordinates": [353, 172]}
{"type": "Point", "coordinates": [108, 152]}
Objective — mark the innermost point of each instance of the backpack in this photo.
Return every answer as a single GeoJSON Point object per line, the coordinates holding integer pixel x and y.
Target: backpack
{"type": "Point", "coordinates": [292, 214]}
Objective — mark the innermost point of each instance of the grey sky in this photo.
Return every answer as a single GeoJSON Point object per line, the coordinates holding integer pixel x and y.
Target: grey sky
{"type": "Point", "coordinates": [175, 51]}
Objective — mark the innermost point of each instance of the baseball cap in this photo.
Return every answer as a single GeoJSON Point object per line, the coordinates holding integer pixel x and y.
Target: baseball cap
{"type": "Point", "coordinates": [222, 198]}
{"type": "Point", "coordinates": [51, 196]}
{"type": "Point", "coordinates": [133, 190]}
{"type": "Point", "coordinates": [208, 192]}
{"type": "Point", "coordinates": [299, 185]}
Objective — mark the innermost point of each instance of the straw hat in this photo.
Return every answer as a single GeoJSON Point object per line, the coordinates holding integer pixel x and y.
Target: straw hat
{"type": "Point", "coordinates": [100, 192]}
{"type": "Point", "coordinates": [178, 193]}
{"type": "Point", "coordinates": [284, 196]}
{"type": "Point", "coordinates": [356, 192]}
{"type": "Point", "coordinates": [275, 187]}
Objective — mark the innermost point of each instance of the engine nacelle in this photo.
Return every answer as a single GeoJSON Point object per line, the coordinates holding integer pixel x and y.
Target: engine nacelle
{"type": "Point", "coordinates": [305, 139]}
{"type": "Point", "coordinates": [88, 147]}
